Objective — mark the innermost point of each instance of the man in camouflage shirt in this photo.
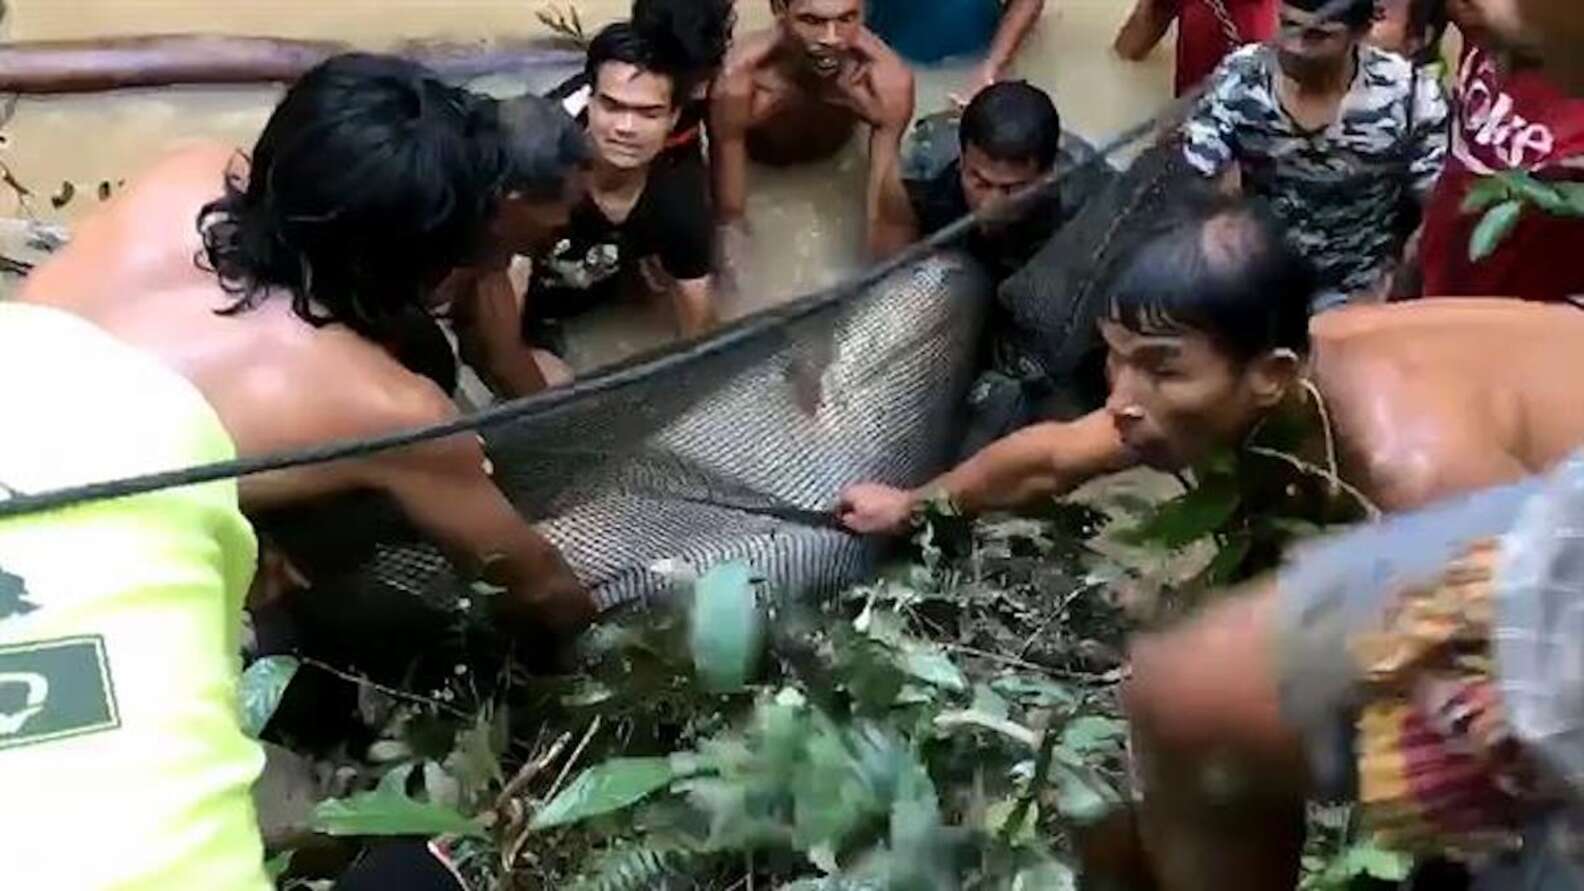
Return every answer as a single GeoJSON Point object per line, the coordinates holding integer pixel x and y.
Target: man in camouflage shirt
{"type": "Point", "coordinates": [1344, 140]}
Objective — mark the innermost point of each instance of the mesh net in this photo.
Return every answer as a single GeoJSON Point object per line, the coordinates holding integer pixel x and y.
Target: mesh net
{"type": "Point", "coordinates": [740, 451]}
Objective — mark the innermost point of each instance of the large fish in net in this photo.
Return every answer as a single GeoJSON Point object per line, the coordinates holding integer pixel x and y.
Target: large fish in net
{"type": "Point", "coordinates": [739, 447]}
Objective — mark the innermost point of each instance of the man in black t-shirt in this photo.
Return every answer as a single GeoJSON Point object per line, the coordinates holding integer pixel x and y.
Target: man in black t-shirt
{"type": "Point", "coordinates": [1010, 138]}
{"type": "Point", "coordinates": [642, 226]}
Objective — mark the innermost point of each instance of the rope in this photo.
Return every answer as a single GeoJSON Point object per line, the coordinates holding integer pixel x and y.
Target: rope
{"type": "Point", "coordinates": [1229, 27]}
{"type": "Point", "coordinates": [631, 371]}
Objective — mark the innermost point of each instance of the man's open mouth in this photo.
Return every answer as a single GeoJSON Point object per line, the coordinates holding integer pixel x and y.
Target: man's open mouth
{"type": "Point", "coordinates": [825, 63]}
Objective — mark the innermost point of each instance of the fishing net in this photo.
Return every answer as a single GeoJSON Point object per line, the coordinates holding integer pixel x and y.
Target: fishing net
{"type": "Point", "coordinates": [737, 449]}
{"type": "Point", "coordinates": [1056, 300]}
{"type": "Point", "coordinates": [738, 454]}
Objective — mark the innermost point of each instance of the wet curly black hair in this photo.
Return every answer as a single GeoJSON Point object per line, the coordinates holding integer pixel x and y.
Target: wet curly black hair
{"type": "Point", "coordinates": [693, 34]}
{"type": "Point", "coordinates": [371, 181]}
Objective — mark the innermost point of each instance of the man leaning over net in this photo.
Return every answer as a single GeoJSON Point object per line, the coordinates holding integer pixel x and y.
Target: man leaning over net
{"type": "Point", "coordinates": [1429, 666]}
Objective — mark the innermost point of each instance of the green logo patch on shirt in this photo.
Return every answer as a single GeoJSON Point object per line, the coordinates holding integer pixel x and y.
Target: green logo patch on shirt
{"type": "Point", "coordinates": [13, 596]}
{"type": "Point", "coordinates": [55, 689]}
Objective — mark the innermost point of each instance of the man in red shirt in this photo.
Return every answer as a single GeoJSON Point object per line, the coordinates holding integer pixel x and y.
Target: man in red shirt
{"type": "Point", "coordinates": [1207, 30]}
{"type": "Point", "coordinates": [1510, 115]}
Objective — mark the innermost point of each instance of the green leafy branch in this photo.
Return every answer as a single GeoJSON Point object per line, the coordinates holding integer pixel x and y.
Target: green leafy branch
{"type": "Point", "coordinates": [1504, 197]}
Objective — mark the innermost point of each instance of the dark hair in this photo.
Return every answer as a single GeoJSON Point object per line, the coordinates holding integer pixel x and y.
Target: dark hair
{"type": "Point", "coordinates": [1013, 121]}
{"type": "Point", "coordinates": [1221, 267]}
{"type": "Point", "coordinates": [694, 34]}
{"type": "Point", "coordinates": [1358, 15]}
{"type": "Point", "coordinates": [539, 148]}
{"type": "Point", "coordinates": [362, 192]}
{"type": "Point", "coordinates": [1427, 21]}
{"type": "Point", "coordinates": [621, 42]}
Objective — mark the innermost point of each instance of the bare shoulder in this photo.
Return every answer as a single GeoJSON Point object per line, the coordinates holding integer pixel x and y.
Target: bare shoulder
{"type": "Point", "coordinates": [193, 174]}
{"type": "Point", "coordinates": [885, 60]}
{"type": "Point", "coordinates": [747, 56]}
{"type": "Point", "coordinates": [1447, 315]}
{"type": "Point", "coordinates": [373, 393]}
{"type": "Point", "coordinates": [391, 398]}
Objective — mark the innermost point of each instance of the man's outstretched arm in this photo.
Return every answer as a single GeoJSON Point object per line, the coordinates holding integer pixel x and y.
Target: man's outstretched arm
{"type": "Point", "coordinates": [445, 490]}
{"type": "Point", "coordinates": [1042, 461]}
{"type": "Point", "coordinates": [1017, 20]}
{"type": "Point", "coordinates": [1144, 28]}
{"type": "Point", "coordinates": [730, 118]}
{"type": "Point", "coordinates": [488, 322]}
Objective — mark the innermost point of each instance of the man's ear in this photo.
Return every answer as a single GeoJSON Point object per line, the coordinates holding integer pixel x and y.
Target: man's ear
{"type": "Point", "coordinates": [1273, 375]}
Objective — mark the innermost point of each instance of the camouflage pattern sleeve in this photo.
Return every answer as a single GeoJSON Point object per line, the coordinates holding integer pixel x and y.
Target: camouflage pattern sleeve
{"type": "Point", "coordinates": [1432, 135]}
{"type": "Point", "coordinates": [1210, 133]}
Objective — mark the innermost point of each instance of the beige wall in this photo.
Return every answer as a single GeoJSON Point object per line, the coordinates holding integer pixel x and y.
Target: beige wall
{"type": "Point", "coordinates": [369, 22]}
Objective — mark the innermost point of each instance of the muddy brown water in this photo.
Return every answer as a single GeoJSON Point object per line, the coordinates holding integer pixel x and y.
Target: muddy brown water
{"type": "Point", "coordinates": [807, 221]}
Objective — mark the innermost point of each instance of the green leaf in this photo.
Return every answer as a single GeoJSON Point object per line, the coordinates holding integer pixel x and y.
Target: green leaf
{"type": "Point", "coordinates": [1224, 567]}
{"type": "Point", "coordinates": [1082, 799]}
{"type": "Point", "coordinates": [1573, 194]}
{"type": "Point", "coordinates": [1195, 514]}
{"type": "Point", "coordinates": [1365, 859]}
{"type": "Point", "coordinates": [999, 812]}
{"type": "Point", "coordinates": [1496, 225]}
{"type": "Point", "coordinates": [1038, 691]}
{"type": "Point", "coordinates": [276, 866]}
{"type": "Point", "coordinates": [1540, 194]}
{"type": "Point", "coordinates": [261, 689]}
{"type": "Point", "coordinates": [605, 788]}
{"type": "Point", "coordinates": [1488, 191]}
{"type": "Point", "coordinates": [932, 667]}
{"type": "Point", "coordinates": [1093, 733]}
{"type": "Point", "coordinates": [989, 702]}
{"type": "Point", "coordinates": [475, 762]}
{"type": "Point", "coordinates": [389, 811]}
{"type": "Point", "coordinates": [726, 631]}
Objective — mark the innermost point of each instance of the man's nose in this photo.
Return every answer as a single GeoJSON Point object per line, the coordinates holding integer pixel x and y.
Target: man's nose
{"type": "Point", "coordinates": [831, 37]}
{"type": "Point", "coordinates": [1122, 403]}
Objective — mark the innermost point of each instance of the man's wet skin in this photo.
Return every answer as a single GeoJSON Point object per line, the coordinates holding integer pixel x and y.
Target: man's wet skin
{"type": "Point", "coordinates": [794, 114]}
{"type": "Point", "coordinates": [1438, 397]}
{"type": "Point", "coordinates": [1425, 399]}
{"type": "Point", "coordinates": [277, 382]}
{"type": "Point", "coordinates": [796, 92]}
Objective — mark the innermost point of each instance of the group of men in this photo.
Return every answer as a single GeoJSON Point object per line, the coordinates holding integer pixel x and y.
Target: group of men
{"type": "Point", "coordinates": [377, 193]}
{"type": "Point", "coordinates": [664, 216]}
{"type": "Point", "coordinates": [1426, 668]}
{"type": "Point", "coordinates": [235, 304]}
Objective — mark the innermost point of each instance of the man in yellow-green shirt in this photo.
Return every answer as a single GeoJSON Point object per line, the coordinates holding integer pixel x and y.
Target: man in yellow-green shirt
{"type": "Point", "coordinates": [122, 761]}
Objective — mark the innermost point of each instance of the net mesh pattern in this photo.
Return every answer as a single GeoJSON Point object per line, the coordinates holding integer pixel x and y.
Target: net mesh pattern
{"type": "Point", "coordinates": [713, 459]}
{"type": "Point", "coordinates": [736, 453]}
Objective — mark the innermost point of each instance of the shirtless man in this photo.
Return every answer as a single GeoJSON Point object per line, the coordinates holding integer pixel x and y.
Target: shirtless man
{"type": "Point", "coordinates": [795, 93]}
{"type": "Point", "coordinates": [1207, 338]}
{"type": "Point", "coordinates": [282, 284]}
{"type": "Point", "coordinates": [540, 145]}
{"type": "Point", "coordinates": [1420, 407]}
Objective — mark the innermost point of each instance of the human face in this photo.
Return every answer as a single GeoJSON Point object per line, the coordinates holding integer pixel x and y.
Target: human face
{"type": "Point", "coordinates": [1391, 31]}
{"type": "Point", "coordinates": [630, 115]}
{"type": "Point", "coordinates": [528, 227]}
{"type": "Point", "coordinates": [1553, 28]}
{"type": "Point", "coordinates": [1176, 398]}
{"type": "Point", "coordinates": [987, 182]}
{"type": "Point", "coordinates": [824, 30]}
{"type": "Point", "coordinates": [1310, 49]}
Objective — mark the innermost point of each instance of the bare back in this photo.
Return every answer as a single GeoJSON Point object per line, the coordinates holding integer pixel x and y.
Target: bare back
{"type": "Point", "coordinates": [1435, 397]}
{"type": "Point", "coordinates": [275, 381]}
